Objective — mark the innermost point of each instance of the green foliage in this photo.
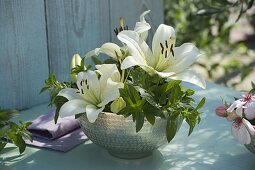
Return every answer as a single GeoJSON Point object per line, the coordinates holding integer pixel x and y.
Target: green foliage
{"type": "Point", "coordinates": [54, 86]}
{"type": "Point", "coordinates": [12, 132]}
{"type": "Point", "coordinates": [148, 97]}
{"type": "Point", "coordinates": [194, 20]}
{"type": "Point", "coordinates": [207, 23]}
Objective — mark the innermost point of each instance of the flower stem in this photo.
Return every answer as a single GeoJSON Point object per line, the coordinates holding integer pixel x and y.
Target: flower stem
{"type": "Point", "coordinates": [122, 76]}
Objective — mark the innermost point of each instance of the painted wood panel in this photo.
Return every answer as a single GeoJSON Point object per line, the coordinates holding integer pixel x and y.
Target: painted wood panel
{"type": "Point", "coordinates": [131, 11]}
{"type": "Point", "coordinates": [75, 26]}
{"type": "Point", "coordinates": [23, 53]}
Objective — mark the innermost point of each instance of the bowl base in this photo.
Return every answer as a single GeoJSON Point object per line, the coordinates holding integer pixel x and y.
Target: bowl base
{"type": "Point", "coordinates": [130, 155]}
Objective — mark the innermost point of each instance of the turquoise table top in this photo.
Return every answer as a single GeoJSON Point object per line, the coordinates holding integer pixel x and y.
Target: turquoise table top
{"type": "Point", "coordinates": [211, 146]}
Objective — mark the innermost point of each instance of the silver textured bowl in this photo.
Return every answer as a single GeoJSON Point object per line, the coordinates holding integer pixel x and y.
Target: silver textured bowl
{"type": "Point", "coordinates": [251, 146]}
{"type": "Point", "coordinates": [117, 134]}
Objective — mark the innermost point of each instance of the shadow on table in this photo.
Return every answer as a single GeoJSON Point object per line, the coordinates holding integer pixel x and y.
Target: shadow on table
{"type": "Point", "coordinates": [92, 157]}
{"type": "Point", "coordinates": [88, 156]}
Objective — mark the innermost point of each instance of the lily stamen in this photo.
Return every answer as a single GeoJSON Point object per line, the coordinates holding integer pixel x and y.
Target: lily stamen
{"type": "Point", "coordinates": [171, 49]}
{"type": "Point", "coordinates": [162, 48]}
{"type": "Point", "coordinates": [166, 44]}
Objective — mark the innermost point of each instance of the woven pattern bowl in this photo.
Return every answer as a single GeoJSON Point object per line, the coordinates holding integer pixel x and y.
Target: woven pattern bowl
{"type": "Point", "coordinates": [118, 135]}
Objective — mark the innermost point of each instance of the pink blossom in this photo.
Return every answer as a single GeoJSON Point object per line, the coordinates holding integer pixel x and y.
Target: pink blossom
{"type": "Point", "coordinates": [242, 130]}
{"type": "Point", "coordinates": [238, 106]}
{"type": "Point", "coordinates": [221, 111]}
{"type": "Point", "coordinates": [249, 97]}
{"type": "Point", "coordinates": [249, 110]}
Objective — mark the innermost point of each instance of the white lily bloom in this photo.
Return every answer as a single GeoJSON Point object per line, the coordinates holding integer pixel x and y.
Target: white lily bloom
{"type": "Point", "coordinates": [242, 130]}
{"type": "Point", "coordinates": [93, 93]}
{"type": "Point", "coordinates": [238, 106]}
{"type": "Point", "coordinates": [164, 59]}
{"type": "Point", "coordinates": [112, 49]}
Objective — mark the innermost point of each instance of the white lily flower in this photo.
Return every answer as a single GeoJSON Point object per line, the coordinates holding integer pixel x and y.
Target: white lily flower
{"type": "Point", "coordinates": [112, 49]}
{"type": "Point", "coordinates": [165, 59]}
{"type": "Point", "coordinates": [242, 130]}
{"type": "Point", "coordinates": [93, 93]}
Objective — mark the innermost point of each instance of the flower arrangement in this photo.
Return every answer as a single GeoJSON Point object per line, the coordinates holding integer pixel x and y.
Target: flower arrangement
{"type": "Point", "coordinates": [242, 115]}
{"type": "Point", "coordinates": [134, 80]}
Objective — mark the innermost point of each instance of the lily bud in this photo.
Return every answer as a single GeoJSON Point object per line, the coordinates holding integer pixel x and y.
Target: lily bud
{"type": "Point", "coordinates": [76, 60]}
{"type": "Point", "coordinates": [221, 111]}
{"type": "Point", "coordinates": [117, 105]}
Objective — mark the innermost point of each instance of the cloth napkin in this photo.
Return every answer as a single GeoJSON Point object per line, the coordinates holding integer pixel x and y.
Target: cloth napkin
{"type": "Point", "coordinates": [63, 136]}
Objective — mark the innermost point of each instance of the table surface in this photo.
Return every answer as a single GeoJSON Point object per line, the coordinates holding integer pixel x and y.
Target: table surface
{"type": "Point", "coordinates": [211, 146]}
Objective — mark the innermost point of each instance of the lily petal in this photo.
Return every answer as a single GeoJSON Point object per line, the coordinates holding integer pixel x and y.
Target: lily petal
{"type": "Point", "coordinates": [190, 76]}
{"type": "Point", "coordinates": [109, 49]}
{"type": "Point", "coordinates": [73, 107]}
{"type": "Point", "coordinates": [131, 61]}
{"type": "Point", "coordinates": [184, 57]}
{"type": "Point", "coordinates": [111, 92]}
{"type": "Point", "coordinates": [109, 71]}
{"type": "Point", "coordinates": [142, 27]}
{"type": "Point", "coordinates": [92, 53]}
{"type": "Point", "coordinates": [163, 33]}
{"type": "Point", "coordinates": [136, 45]}
{"type": "Point", "coordinates": [92, 88]}
{"type": "Point", "coordinates": [165, 74]}
{"type": "Point", "coordinates": [69, 93]}
{"type": "Point", "coordinates": [92, 112]}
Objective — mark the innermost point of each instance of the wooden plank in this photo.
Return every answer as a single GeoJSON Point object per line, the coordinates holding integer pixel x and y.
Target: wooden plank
{"type": "Point", "coordinates": [131, 11]}
{"type": "Point", "coordinates": [75, 26]}
{"type": "Point", "coordinates": [23, 53]}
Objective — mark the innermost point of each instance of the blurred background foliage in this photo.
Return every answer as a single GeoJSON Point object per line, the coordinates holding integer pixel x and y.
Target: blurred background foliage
{"type": "Point", "coordinates": [211, 24]}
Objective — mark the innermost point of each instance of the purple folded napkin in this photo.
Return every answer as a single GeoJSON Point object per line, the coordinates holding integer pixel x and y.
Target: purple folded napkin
{"type": "Point", "coordinates": [63, 136]}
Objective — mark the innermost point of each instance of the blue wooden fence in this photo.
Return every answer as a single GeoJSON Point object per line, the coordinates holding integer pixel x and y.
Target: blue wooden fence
{"type": "Point", "coordinates": [38, 37]}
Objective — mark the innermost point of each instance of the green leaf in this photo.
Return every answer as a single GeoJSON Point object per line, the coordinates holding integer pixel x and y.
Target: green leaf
{"type": "Point", "coordinates": [95, 60]}
{"type": "Point", "coordinates": [2, 145]}
{"type": "Point", "coordinates": [191, 120]}
{"type": "Point", "coordinates": [148, 97]}
{"type": "Point", "coordinates": [134, 95]}
{"type": "Point", "coordinates": [139, 120]}
{"type": "Point", "coordinates": [110, 61]}
{"type": "Point", "coordinates": [59, 101]}
{"type": "Point", "coordinates": [189, 92]}
{"type": "Point", "coordinates": [152, 110]}
{"type": "Point", "coordinates": [200, 104]}
{"type": "Point", "coordinates": [44, 89]}
{"type": "Point", "coordinates": [151, 118]}
{"type": "Point", "coordinates": [21, 144]}
{"type": "Point", "coordinates": [7, 114]}
{"type": "Point", "coordinates": [171, 129]}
